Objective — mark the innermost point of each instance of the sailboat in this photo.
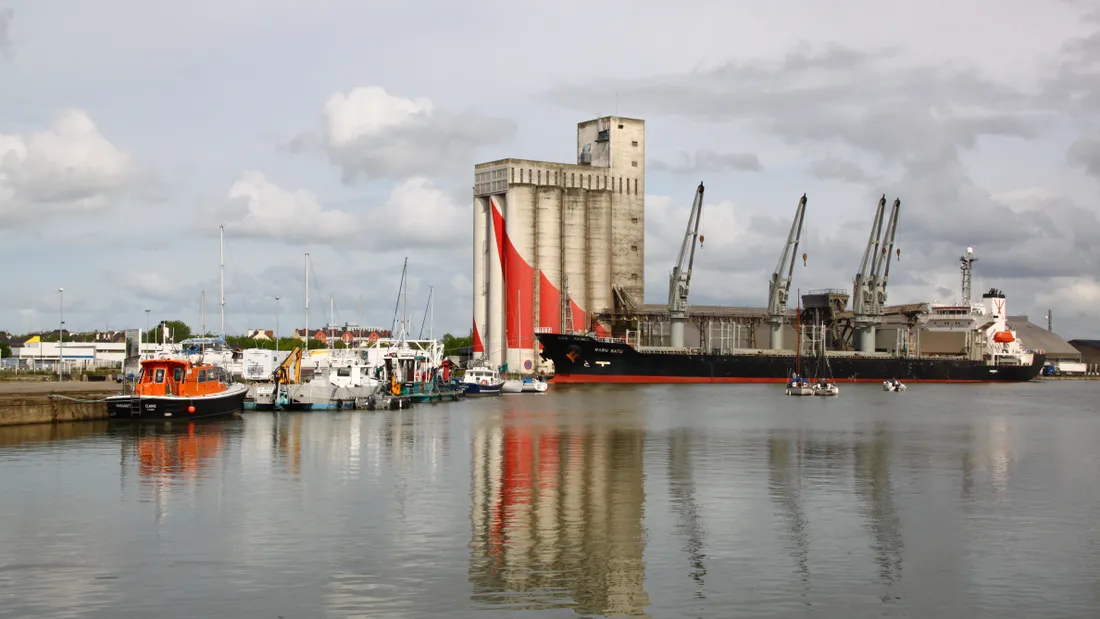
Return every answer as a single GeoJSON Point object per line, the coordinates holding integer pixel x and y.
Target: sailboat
{"type": "Point", "coordinates": [824, 385]}
{"type": "Point", "coordinates": [797, 385]}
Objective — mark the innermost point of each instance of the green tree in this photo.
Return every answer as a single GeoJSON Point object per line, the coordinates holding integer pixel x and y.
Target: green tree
{"type": "Point", "coordinates": [453, 345]}
{"type": "Point", "coordinates": [5, 350]}
{"type": "Point", "coordinates": [177, 329]}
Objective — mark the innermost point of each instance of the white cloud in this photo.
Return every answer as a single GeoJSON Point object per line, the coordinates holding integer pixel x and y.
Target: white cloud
{"type": "Point", "coordinates": [415, 214]}
{"type": "Point", "coordinates": [374, 134]}
{"type": "Point", "coordinates": [259, 208]}
{"type": "Point", "coordinates": [70, 167]}
{"type": "Point", "coordinates": [367, 111]}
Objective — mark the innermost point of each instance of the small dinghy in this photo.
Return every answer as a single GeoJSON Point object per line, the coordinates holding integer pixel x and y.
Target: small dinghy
{"type": "Point", "coordinates": [893, 385]}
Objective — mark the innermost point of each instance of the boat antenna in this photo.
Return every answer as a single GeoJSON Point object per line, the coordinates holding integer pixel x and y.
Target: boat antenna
{"type": "Point", "coordinates": [221, 265]}
{"type": "Point", "coordinates": [307, 303]}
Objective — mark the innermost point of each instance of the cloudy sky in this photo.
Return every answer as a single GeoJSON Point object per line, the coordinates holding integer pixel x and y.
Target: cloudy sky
{"type": "Point", "coordinates": [130, 129]}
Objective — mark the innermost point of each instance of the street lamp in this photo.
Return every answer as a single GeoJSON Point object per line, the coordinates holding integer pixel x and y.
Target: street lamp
{"type": "Point", "coordinates": [276, 326]}
{"type": "Point", "coordinates": [146, 326]}
{"type": "Point", "coordinates": [60, 331]}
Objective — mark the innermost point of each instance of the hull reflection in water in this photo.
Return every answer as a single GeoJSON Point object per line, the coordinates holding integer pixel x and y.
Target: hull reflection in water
{"type": "Point", "coordinates": [557, 516]}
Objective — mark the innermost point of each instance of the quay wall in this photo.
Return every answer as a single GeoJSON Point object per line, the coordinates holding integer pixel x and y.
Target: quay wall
{"type": "Point", "coordinates": [30, 403]}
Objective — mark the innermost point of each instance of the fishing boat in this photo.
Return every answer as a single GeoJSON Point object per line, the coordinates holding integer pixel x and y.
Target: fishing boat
{"type": "Point", "coordinates": [481, 381]}
{"type": "Point", "coordinates": [178, 388]}
{"type": "Point", "coordinates": [893, 384]}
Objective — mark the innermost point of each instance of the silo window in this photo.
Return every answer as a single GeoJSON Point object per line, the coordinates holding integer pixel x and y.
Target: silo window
{"type": "Point", "coordinates": [540, 177]}
{"type": "Point", "coordinates": [635, 185]}
{"type": "Point", "coordinates": [633, 248]}
{"type": "Point", "coordinates": [590, 181]}
{"type": "Point", "coordinates": [513, 175]}
{"type": "Point", "coordinates": [620, 126]}
{"type": "Point", "coordinates": [633, 164]}
{"type": "Point", "coordinates": [572, 179]}
{"type": "Point", "coordinates": [634, 142]}
{"type": "Point", "coordinates": [633, 220]}
{"type": "Point", "coordinates": [555, 178]}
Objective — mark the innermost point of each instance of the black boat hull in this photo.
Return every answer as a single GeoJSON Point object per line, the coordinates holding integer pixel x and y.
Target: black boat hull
{"type": "Point", "coordinates": [583, 359]}
{"type": "Point", "coordinates": [160, 408]}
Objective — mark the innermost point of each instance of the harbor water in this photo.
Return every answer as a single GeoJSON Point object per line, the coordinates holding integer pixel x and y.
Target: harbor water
{"type": "Point", "coordinates": [662, 501]}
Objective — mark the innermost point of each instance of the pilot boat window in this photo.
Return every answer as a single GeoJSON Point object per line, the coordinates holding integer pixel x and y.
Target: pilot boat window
{"type": "Point", "coordinates": [158, 376]}
{"type": "Point", "coordinates": [343, 372]}
{"type": "Point", "coordinates": [177, 374]}
{"type": "Point", "coordinates": [202, 376]}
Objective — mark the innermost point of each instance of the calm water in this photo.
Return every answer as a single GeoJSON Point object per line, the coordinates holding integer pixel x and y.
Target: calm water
{"type": "Point", "coordinates": [700, 501]}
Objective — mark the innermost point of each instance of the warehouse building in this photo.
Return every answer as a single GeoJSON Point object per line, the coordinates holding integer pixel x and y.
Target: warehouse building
{"type": "Point", "coordinates": [556, 243]}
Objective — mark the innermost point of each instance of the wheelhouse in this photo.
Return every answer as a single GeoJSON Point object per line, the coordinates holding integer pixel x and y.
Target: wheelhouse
{"type": "Point", "coordinates": [176, 377]}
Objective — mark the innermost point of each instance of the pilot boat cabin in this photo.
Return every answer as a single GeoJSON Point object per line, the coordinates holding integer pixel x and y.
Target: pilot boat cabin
{"type": "Point", "coordinates": [181, 378]}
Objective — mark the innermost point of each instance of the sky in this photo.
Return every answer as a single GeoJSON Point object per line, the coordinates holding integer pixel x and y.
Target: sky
{"type": "Point", "coordinates": [130, 130]}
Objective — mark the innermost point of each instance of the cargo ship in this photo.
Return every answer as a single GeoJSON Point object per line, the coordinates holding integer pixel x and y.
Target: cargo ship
{"type": "Point", "coordinates": [997, 355]}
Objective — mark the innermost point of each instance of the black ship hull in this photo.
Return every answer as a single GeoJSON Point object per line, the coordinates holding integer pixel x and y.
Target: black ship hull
{"type": "Point", "coordinates": [169, 408]}
{"type": "Point", "coordinates": [583, 359]}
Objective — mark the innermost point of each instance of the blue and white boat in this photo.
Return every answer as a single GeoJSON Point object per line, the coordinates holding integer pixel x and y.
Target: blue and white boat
{"type": "Point", "coordinates": [482, 380]}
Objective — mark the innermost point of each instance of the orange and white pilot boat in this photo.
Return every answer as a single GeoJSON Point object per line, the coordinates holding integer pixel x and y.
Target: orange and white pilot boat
{"type": "Point", "coordinates": [171, 389]}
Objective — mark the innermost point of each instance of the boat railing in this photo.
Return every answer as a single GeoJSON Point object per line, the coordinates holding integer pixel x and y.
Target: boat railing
{"type": "Point", "coordinates": [612, 340]}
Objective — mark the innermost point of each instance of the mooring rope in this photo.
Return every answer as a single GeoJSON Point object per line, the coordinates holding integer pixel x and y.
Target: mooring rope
{"type": "Point", "coordinates": [72, 399]}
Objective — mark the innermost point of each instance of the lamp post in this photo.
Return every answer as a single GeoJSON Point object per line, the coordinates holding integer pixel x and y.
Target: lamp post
{"type": "Point", "coordinates": [276, 326]}
{"type": "Point", "coordinates": [146, 326]}
{"type": "Point", "coordinates": [60, 331]}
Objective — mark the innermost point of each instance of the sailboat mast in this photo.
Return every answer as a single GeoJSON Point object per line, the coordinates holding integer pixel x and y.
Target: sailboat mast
{"type": "Point", "coordinates": [307, 302]}
{"type": "Point", "coordinates": [404, 299]}
{"type": "Point", "coordinates": [331, 318]}
{"type": "Point", "coordinates": [431, 312]}
{"type": "Point", "coordinates": [221, 265]}
{"type": "Point", "coordinates": [798, 328]}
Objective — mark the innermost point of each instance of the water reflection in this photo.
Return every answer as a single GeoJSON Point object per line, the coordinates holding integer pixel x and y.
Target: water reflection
{"type": "Point", "coordinates": [557, 516]}
{"type": "Point", "coordinates": [785, 490]}
{"type": "Point", "coordinates": [876, 492]}
{"type": "Point", "coordinates": [685, 505]}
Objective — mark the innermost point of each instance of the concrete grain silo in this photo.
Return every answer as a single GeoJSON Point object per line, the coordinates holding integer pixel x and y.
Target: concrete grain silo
{"type": "Point", "coordinates": [540, 227]}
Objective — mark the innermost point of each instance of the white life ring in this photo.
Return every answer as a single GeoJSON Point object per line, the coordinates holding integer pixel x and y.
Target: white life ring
{"type": "Point", "coordinates": [484, 382]}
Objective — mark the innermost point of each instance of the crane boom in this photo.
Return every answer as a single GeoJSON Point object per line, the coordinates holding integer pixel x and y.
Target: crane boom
{"type": "Point", "coordinates": [680, 280]}
{"type": "Point", "coordinates": [780, 288]}
{"type": "Point", "coordinates": [869, 287]}
{"type": "Point", "coordinates": [882, 273]}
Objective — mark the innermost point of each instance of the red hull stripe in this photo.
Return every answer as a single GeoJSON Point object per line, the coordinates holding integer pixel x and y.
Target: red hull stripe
{"type": "Point", "coordinates": [590, 378]}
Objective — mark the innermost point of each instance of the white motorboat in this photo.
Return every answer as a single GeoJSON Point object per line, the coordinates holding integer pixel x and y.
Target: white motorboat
{"type": "Point", "coordinates": [893, 385]}
{"type": "Point", "coordinates": [825, 388]}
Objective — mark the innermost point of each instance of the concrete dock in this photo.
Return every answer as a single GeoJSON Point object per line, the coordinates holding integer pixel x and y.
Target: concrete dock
{"type": "Point", "coordinates": [50, 402]}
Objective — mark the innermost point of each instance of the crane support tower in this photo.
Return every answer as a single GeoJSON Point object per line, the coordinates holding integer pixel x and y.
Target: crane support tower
{"type": "Point", "coordinates": [869, 289]}
{"type": "Point", "coordinates": [780, 288]}
{"type": "Point", "coordinates": [679, 281]}
{"type": "Point", "coordinates": [966, 267]}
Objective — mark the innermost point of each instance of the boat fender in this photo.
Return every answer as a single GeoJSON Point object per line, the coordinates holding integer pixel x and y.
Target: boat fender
{"type": "Point", "coordinates": [484, 382]}
{"type": "Point", "coordinates": [191, 409]}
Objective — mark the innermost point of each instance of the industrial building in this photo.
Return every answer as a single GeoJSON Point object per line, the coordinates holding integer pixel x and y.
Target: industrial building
{"type": "Point", "coordinates": [557, 244]}
{"type": "Point", "coordinates": [560, 248]}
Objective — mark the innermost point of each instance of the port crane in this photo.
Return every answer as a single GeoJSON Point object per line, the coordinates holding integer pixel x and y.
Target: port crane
{"type": "Point", "coordinates": [780, 288]}
{"type": "Point", "coordinates": [679, 280]}
{"type": "Point", "coordinates": [869, 287]}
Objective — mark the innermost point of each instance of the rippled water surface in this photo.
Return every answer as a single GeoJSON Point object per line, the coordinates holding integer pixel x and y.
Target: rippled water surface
{"type": "Point", "coordinates": [665, 501]}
